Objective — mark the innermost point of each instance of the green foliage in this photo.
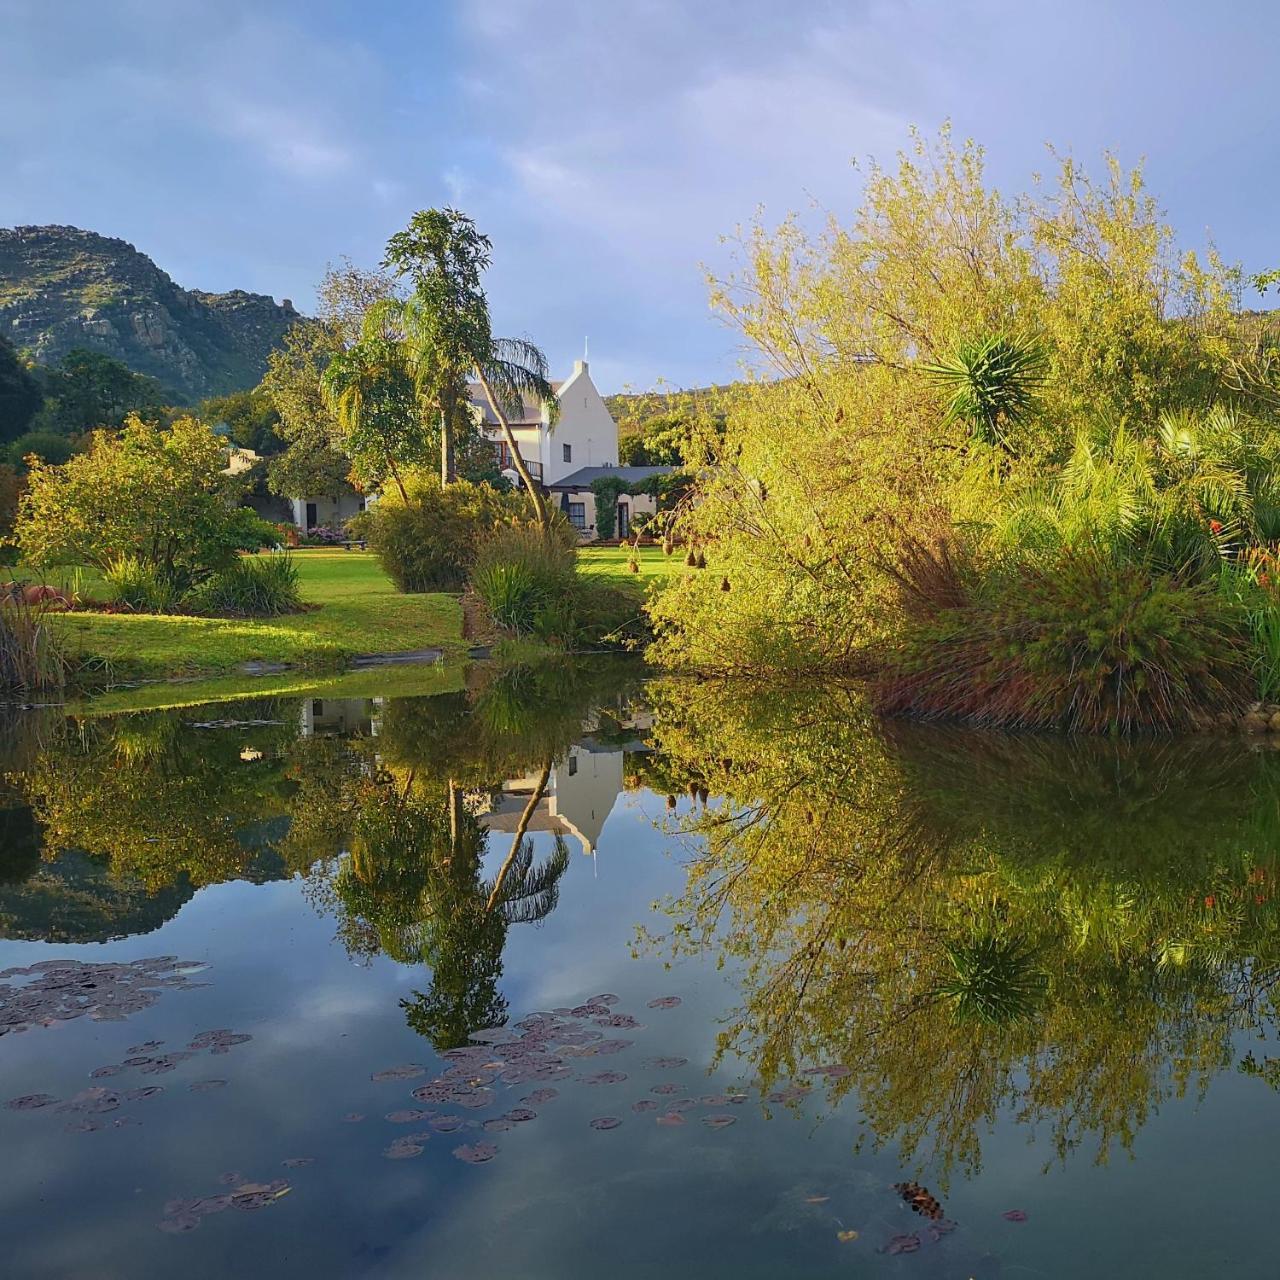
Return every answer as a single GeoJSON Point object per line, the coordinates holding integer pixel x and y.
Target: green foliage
{"type": "Point", "coordinates": [87, 390]}
{"type": "Point", "coordinates": [1081, 643]}
{"type": "Point", "coordinates": [526, 581]}
{"type": "Point", "coordinates": [992, 385]}
{"type": "Point", "coordinates": [138, 585]}
{"type": "Point", "coordinates": [159, 495]}
{"type": "Point", "coordinates": [251, 418]}
{"type": "Point", "coordinates": [430, 542]}
{"type": "Point", "coordinates": [253, 587]}
{"type": "Point", "coordinates": [992, 980]}
{"type": "Point", "coordinates": [20, 393]}
{"type": "Point", "coordinates": [607, 490]}
{"type": "Point", "coordinates": [48, 446]}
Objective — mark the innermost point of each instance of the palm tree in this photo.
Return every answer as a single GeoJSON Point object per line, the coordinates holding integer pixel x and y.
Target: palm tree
{"type": "Point", "coordinates": [449, 337]}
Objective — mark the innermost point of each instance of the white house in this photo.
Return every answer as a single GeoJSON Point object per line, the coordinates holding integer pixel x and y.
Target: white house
{"type": "Point", "coordinates": [584, 435]}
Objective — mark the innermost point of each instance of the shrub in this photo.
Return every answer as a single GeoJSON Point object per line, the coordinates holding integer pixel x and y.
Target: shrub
{"type": "Point", "coordinates": [1085, 643]}
{"type": "Point", "coordinates": [324, 535]}
{"type": "Point", "coordinates": [158, 495]}
{"type": "Point", "coordinates": [254, 586]}
{"type": "Point", "coordinates": [430, 543]}
{"type": "Point", "coordinates": [30, 655]}
{"type": "Point", "coordinates": [136, 584]}
{"type": "Point", "coordinates": [526, 580]}
{"type": "Point", "coordinates": [248, 531]}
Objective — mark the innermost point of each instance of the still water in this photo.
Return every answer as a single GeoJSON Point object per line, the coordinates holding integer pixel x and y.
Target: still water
{"type": "Point", "coordinates": [568, 972]}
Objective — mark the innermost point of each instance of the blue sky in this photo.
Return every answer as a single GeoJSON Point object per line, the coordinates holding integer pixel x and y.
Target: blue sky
{"type": "Point", "coordinates": [604, 145]}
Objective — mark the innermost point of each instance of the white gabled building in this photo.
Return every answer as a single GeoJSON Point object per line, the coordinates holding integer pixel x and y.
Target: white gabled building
{"type": "Point", "coordinates": [585, 434]}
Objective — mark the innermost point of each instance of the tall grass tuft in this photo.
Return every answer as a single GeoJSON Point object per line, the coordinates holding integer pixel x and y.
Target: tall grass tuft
{"type": "Point", "coordinates": [526, 579]}
{"type": "Point", "coordinates": [30, 655]}
{"type": "Point", "coordinates": [254, 586]}
{"type": "Point", "coordinates": [1082, 643]}
{"type": "Point", "coordinates": [139, 585]}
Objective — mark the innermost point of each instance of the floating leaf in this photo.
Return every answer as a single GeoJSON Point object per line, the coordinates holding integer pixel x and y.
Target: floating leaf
{"type": "Point", "coordinates": [605, 1077]}
{"type": "Point", "coordinates": [353, 1117]}
{"type": "Point", "coordinates": [539, 1096]}
{"type": "Point", "coordinates": [520, 1115]}
{"type": "Point", "coordinates": [845, 1236]}
{"type": "Point", "coordinates": [298, 1162]}
{"type": "Point", "coordinates": [206, 1086]}
{"type": "Point", "coordinates": [664, 1002]}
{"type": "Point", "coordinates": [402, 1150]}
{"type": "Point", "coordinates": [902, 1244]}
{"type": "Point", "coordinates": [409, 1071]}
{"type": "Point", "coordinates": [479, 1153]}
{"type": "Point", "coordinates": [816, 1199]}
{"type": "Point", "coordinates": [665, 1064]}
{"type": "Point", "coordinates": [670, 1119]}
{"type": "Point", "coordinates": [30, 1102]}
{"type": "Point", "coordinates": [1014, 1215]}
{"type": "Point", "coordinates": [719, 1121]}
{"type": "Point", "coordinates": [605, 1122]}
{"type": "Point", "coordinates": [644, 1104]}
{"type": "Point", "coordinates": [668, 1087]}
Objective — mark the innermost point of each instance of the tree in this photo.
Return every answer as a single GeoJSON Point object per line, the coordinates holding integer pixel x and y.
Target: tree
{"type": "Point", "coordinates": [158, 494]}
{"type": "Point", "coordinates": [20, 394]}
{"type": "Point", "coordinates": [251, 418]}
{"type": "Point", "coordinates": [370, 392]}
{"type": "Point", "coordinates": [88, 390]}
{"type": "Point", "coordinates": [449, 336]}
{"type": "Point", "coordinates": [312, 461]}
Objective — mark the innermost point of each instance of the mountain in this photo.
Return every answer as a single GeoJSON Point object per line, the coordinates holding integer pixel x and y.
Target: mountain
{"type": "Point", "coordinates": [63, 288]}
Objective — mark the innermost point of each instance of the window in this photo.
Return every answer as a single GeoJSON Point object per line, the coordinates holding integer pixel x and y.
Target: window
{"type": "Point", "coordinates": [568, 452]}
{"type": "Point", "coordinates": [573, 765]}
{"type": "Point", "coordinates": [578, 515]}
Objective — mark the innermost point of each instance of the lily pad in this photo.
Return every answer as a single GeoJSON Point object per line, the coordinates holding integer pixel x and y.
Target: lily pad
{"type": "Point", "coordinates": [664, 1002]}
{"type": "Point", "coordinates": [605, 1077]}
{"type": "Point", "coordinates": [30, 1102]}
{"type": "Point", "coordinates": [605, 1122]}
{"type": "Point", "coordinates": [719, 1121]}
{"type": "Point", "coordinates": [477, 1153]}
{"type": "Point", "coordinates": [409, 1071]}
{"type": "Point", "coordinates": [669, 1119]}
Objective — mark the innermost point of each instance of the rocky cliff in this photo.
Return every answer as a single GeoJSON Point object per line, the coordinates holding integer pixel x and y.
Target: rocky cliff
{"type": "Point", "coordinates": [63, 288]}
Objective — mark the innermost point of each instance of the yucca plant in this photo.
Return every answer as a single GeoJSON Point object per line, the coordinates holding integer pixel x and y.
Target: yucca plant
{"type": "Point", "coordinates": [30, 655]}
{"type": "Point", "coordinates": [991, 385]}
{"type": "Point", "coordinates": [994, 980]}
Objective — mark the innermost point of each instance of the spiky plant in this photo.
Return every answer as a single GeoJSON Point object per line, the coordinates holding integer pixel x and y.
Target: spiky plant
{"type": "Point", "coordinates": [994, 980]}
{"type": "Point", "coordinates": [991, 385]}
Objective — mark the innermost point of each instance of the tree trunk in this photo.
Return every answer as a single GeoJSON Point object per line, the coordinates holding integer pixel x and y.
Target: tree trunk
{"type": "Point", "coordinates": [448, 458]}
{"type": "Point", "coordinates": [395, 475]}
{"type": "Point", "coordinates": [535, 490]}
{"type": "Point", "coordinates": [522, 829]}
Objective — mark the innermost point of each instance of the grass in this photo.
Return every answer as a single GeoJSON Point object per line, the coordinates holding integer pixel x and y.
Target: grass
{"type": "Point", "coordinates": [612, 562]}
{"type": "Point", "coordinates": [360, 612]}
{"type": "Point", "coordinates": [370, 682]}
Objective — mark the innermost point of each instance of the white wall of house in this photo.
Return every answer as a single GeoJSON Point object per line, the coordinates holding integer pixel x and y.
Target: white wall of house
{"type": "Point", "coordinates": [329, 510]}
{"type": "Point", "coordinates": [635, 503]}
{"type": "Point", "coordinates": [585, 429]}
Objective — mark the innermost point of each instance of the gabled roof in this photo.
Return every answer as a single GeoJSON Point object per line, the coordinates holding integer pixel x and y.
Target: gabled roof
{"type": "Point", "coordinates": [582, 478]}
{"type": "Point", "coordinates": [531, 415]}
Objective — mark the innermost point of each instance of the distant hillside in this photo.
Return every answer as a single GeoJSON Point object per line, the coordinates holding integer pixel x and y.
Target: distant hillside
{"type": "Point", "coordinates": [63, 288]}
{"type": "Point", "coordinates": [632, 409]}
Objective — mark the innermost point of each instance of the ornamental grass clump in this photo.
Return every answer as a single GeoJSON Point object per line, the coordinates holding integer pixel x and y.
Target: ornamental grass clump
{"type": "Point", "coordinates": [30, 655]}
{"type": "Point", "coordinates": [253, 587]}
{"type": "Point", "coordinates": [1082, 643]}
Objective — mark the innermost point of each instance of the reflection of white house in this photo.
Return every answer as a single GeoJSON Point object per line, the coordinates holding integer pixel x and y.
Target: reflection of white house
{"type": "Point", "coordinates": [578, 799]}
{"type": "Point", "coordinates": [321, 716]}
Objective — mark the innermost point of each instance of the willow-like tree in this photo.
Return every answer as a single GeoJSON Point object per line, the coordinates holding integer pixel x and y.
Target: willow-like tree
{"type": "Point", "coordinates": [448, 336]}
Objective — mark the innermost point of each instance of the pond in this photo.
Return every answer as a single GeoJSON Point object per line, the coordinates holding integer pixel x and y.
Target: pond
{"type": "Point", "coordinates": [573, 970]}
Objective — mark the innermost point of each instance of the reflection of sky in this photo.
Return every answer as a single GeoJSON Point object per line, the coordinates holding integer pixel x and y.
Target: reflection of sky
{"type": "Point", "coordinates": [561, 1200]}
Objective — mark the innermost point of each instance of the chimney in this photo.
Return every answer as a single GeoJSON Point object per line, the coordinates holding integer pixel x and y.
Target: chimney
{"type": "Point", "coordinates": [579, 366]}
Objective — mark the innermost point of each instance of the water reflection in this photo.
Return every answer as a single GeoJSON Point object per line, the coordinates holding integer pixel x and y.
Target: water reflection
{"type": "Point", "coordinates": [1068, 932]}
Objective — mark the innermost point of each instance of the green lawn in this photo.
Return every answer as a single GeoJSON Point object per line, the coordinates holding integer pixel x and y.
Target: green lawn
{"type": "Point", "coordinates": [360, 612]}
{"type": "Point", "coordinates": [612, 562]}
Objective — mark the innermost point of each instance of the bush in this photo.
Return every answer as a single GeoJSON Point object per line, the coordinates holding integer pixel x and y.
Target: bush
{"type": "Point", "coordinates": [526, 580]}
{"type": "Point", "coordinates": [254, 586]}
{"type": "Point", "coordinates": [30, 656]}
{"type": "Point", "coordinates": [248, 531]}
{"type": "Point", "coordinates": [159, 496]}
{"type": "Point", "coordinates": [324, 535]}
{"type": "Point", "coordinates": [138, 585]}
{"type": "Point", "coordinates": [430, 543]}
{"type": "Point", "coordinates": [1083, 644]}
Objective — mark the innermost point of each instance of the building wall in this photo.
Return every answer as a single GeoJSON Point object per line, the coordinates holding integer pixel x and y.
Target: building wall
{"type": "Point", "coordinates": [330, 510]}
{"type": "Point", "coordinates": [585, 425]}
{"type": "Point", "coordinates": [637, 504]}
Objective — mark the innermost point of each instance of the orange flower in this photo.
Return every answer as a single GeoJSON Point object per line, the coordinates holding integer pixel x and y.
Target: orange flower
{"type": "Point", "coordinates": [1209, 901]}
{"type": "Point", "coordinates": [1215, 526]}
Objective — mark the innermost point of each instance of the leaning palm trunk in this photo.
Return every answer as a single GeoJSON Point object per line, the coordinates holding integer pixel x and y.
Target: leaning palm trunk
{"type": "Point", "coordinates": [448, 452]}
{"type": "Point", "coordinates": [522, 829]}
{"type": "Point", "coordinates": [535, 490]}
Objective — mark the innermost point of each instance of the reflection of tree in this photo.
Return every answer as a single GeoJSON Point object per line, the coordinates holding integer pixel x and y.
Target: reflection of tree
{"type": "Point", "coordinates": [1072, 930]}
{"type": "Point", "coordinates": [157, 798]}
{"type": "Point", "coordinates": [414, 888]}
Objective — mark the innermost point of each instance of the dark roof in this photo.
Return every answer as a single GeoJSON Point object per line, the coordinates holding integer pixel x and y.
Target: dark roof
{"type": "Point", "coordinates": [582, 478]}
